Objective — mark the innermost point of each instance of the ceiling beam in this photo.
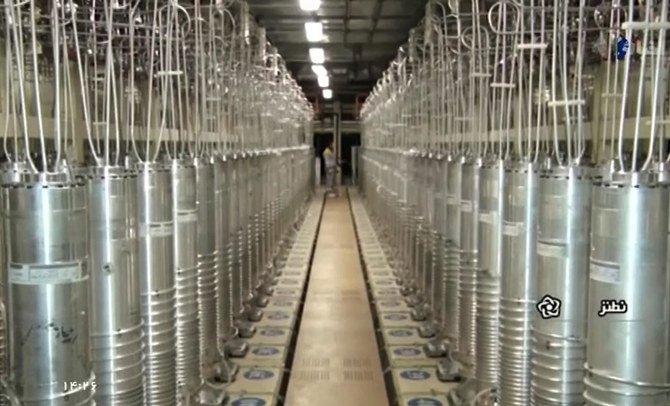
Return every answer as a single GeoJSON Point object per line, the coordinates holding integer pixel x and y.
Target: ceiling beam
{"type": "Point", "coordinates": [341, 53]}
{"type": "Point", "coordinates": [374, 21]}
{"type": "Point", "coordinates": [348, 90]}
{"type": "Point", "coordinates": [347, 17]}
{"type": "Point", "coordinates": [364, 36]}
{"type": "Point", "coordinates": [335, 47]}
{"type": "Point", "coordinates": [274, 19]}
{"type": "Point", "coordinates": [294, 30]}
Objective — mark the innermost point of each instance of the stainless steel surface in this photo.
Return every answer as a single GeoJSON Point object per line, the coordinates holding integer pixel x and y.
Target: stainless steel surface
{"type": "Point", "coordinates": [437, 288]}
{"type": "Point", "coordinates": [571, 90]}
{"type": "Point", "coordinates": [628, 262]}
{"type": "Point", "coordinates": [453, 250]}
{"type": "Point", "coordinates": [518, 291]}
{"type": "Point", "coordinates": [469, 263]}
{"type": "Point", "coordinates": [559, 344]}
{"type": "Point", "coordinates": [157, 281]}
{"type": "Point", "coordinates": [116, 322]}
{"type": "Point", "coordinates": [185, 219]}
{"type": "Point", "coordinates": [47, 269]}
{"type": "Point", "coordinates": [238, 238]}
{"type": "Point", "coordinates": [173, 118]}
{"type": "Point", "coordinates": [7, 392]}
{"type": "Point", "coordinates": [207, 269]}
{"type": "Point", "coordinates": [490, 253]}
{"type": "Point", "coordinates": [225, 220]}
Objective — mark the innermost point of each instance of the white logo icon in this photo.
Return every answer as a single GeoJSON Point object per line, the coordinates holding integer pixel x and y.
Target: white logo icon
{"type": "Point", "coordinates": [549, 307]}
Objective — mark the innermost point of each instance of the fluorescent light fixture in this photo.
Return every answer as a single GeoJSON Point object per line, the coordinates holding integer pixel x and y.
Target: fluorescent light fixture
{"type": "Point", "coordinates": [314, 31]}
{"type": "Point", "coordinates": [310, 5]}
{"type": "Point", "coordinates": [327, 94]}
{"type": "Point", "coordinates": [324, 81]}
{"type": "Point", "coordinates": [319, 70]}
{"type": "Point", "coordinates": [317, 55]}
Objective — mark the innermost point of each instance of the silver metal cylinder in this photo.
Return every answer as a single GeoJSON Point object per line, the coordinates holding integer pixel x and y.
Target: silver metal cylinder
{"type": "Point", "coordinates": [442, 250]}
{"type": "Point", "coordinates": [207, 257]}
{"type": "Point", "coordinates": [517, 293]}
{"type": "Point", "coordinates": [439, 212]}
{"type": "Point", "coordinates": [628, 356]}
{"type": "Point", "coordinates": [469, 264]}
{"type": "Point", "coordinates": [46, 224]}
{"type": "Point", "coordinates": [436, 292]}
{"type": "Point", "coordinates": [249, 201]}
{"type": "Point", "coordinates": [452, 250]}
{"type": "Point", "coordinates": [245, 208]}
{"type": "Point", "coordinates": [255, 203]}
{"type": "Point", "coordinates": [274, 244]}
{"type": "Point", "coordinates": [184, 205]}
{"type": "Point", "coordinates": [157, 282]}
{"type": "Point", "coordinates": [116, 323]}
{"type": "Point", "coordinates": [5, 391]}
{"type": "Point", "coordinates": [237, 236]}
{"type": "Point", "coordinates": [224, 218]}
{"type": "Point", "coordinates": [426, 263]}
{"type": "Point", "coordinates": [262, 219]}
{"type": "Point", "coordinates": [559, 338]}
{"type": "Point", "coordinates": [491, 208]}
{"type": "Point", "coordinates": [3, 341]}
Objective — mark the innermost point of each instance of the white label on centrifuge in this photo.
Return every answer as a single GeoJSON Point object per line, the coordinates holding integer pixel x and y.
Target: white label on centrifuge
{"type": "Point", "coordinates": [512, 229]}
{"type": "Point", "coordinates": [607, 274]}
{"type": "Point", "coordinates": [45, 274]}
{"type": "Point", "coordinates": [551, 250]}
{"type": "Point", "coordinates": [489, 217]}
{"type": "Point", "coordinates": [162, 229]}
{"type": "Point", "coordinates": [190, 216]}
{"type": "Point", "coordinates": [466, 206]}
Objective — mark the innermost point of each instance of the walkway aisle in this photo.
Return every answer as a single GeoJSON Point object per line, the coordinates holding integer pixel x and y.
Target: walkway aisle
{"type": "Point", "coordinates": [336, 361]}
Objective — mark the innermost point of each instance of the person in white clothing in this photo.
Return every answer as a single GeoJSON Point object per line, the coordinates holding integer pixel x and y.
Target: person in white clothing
{"type": "Point", "coordinates": [331, 169]}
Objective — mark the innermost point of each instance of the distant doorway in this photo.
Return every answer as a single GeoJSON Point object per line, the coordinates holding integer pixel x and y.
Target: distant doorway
{"type": "Point", "coordinates": [349, 140]}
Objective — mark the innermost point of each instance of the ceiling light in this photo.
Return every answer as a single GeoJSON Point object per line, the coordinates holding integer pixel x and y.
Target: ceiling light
{"type": "Point", "coordinates": [324, 81]}
{"type": "Point", "coordinates": [310, 5]}
{"type": "Point", "coordinates": [317, 55]}
{"type": "Point", "coordinates": [319, 70]}
{"type": "Point", "coordinates": [327, 94]}
{"type": "Point", "coordinates": [314, 31]}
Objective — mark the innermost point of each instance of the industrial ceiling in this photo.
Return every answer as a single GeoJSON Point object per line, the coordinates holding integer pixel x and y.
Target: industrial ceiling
{"type": "Point", "coordinates": [361, 37]}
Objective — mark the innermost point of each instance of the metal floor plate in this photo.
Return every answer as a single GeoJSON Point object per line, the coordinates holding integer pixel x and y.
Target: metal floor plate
{"type": "Point", "coordinates": [264, 380]}
{"type": "Point", "coordinates": [394, 319]}
{"type": "Point", "coordinates": [252, 399]}
{"type": "Point", "coordinates": [262, 368]}
{"type": "Point", "coordinates": [264, 356]}
{"type": "Point", "coordinates": [423, 400]}
{"type": "Point", "coordinates": [406, 356]}
{"type": "Point", "coordinates": [283, 304]}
